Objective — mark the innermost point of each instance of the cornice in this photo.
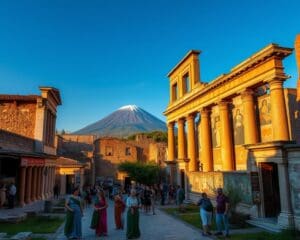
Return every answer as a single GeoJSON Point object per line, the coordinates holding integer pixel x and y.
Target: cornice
{"type": "Point", "coordinates": [272, 50]}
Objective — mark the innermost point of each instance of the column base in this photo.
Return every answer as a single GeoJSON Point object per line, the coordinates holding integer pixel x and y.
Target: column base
{"type": "Point", "coordinates": [297, 222]}
{"type": "Point", "coordinates": [285, 220]}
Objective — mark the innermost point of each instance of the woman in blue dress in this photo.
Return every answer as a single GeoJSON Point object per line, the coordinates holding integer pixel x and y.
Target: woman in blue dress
{"type": "Point", "coordinates": [73, 229]}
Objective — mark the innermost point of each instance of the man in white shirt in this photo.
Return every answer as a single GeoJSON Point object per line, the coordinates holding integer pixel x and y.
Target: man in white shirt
{"type": "Point", "coordinates": [11, 195]}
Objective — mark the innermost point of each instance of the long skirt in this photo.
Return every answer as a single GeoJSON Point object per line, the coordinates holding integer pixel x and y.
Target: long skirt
{"type": "Point", "coordinates": [73, 225]}
{"type": "Point", "coordinates": [101, 228]}
{"type": "Point", "coordinates": [118, 218]}
{"type": "Point", "coordinates": [133, 229]}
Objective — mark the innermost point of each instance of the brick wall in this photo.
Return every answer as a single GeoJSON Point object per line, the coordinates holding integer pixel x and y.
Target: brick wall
{"type": "Point", "coordinates": [18, 117]}
{"type": "Point", "coordinates": [109, 152]}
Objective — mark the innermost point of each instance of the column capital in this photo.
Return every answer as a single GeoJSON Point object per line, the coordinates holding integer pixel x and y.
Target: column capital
{"type": "Point", "coordinates": [247, 93]}
{"type": "Point", "coordinates": [181, 121]}
{"type": "Point", "coordinates": [205, 112]}
{"type": "Point", "coordinates": [191, 116]}
{"type": "Point", "coordinates": [223, 105]}
{"type": "Point", "coordinates": [171, 124]}
{"type": "Point", "coordinates": [275, 83]}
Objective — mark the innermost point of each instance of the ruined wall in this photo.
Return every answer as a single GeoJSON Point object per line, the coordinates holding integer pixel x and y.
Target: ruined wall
{"type": "Point", "coordinates": [79, 147]}
{"type": "Point", "coordinates": [18, 117]}
{"type": "Point", "coordinates": [293, 113]}
{"type": "Point", "coordinates": [157, 153]}
{"type": "Point", "coordinates": [109, 152]}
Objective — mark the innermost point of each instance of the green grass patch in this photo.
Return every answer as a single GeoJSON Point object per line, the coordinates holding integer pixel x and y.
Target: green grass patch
{"type": "Point", "coordinates": [285, 235]}
{"type": "Point", "coordinates": [34, 224]}
{"type": "Point", "coordinates": [190, 215]}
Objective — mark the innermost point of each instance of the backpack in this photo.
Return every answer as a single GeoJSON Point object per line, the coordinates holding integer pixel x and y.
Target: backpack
{"type": "Point", "coordinates": [207, 205]}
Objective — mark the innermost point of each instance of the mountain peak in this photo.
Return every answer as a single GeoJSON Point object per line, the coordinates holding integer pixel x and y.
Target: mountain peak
{"type": "Point", "coordinates": [123, 122]}
{"type": "Point", "coordinates": [129, 107]}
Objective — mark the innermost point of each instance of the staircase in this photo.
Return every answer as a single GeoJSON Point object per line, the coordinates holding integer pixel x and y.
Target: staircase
{"type": "Point", "coordinates": [269, 224]}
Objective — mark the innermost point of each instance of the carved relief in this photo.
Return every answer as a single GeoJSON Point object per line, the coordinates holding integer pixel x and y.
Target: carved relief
{"type": "Point", "coordinates": [238, 121]}
{"type": "Point", "coordinates": [265, 120]}
{"type": "Point", "coordinates": [215, 127]}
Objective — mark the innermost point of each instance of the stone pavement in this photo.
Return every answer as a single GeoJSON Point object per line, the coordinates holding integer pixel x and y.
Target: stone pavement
{"type": "Point", "coordinates": [153, 227]}
{"type": "Point", "coordinates": [16, 212]}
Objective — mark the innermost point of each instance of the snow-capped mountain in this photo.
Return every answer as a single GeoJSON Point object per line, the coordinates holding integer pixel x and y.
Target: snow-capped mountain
{"type": "Point", "coordinates": [125, 121]}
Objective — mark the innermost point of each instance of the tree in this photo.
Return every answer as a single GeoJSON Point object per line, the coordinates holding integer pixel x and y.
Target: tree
{"type": "Point", "coordinates": [144, 173]}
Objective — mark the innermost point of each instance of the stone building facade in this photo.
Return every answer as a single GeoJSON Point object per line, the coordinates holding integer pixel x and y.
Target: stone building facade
{"type": "Point", "coordinates": [69, 173]}
{"type": "Point", "coordinates": [81, 149]}
{"type": "Point", "coordinates": [239, 131]}
{"type": "Point", "coordinates": [27, 149]}
{"type": "Point", "coordinates": [109, 152]}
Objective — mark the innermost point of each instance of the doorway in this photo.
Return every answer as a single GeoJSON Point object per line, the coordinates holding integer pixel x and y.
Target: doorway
{"type": "Point", "coordinates": [269, 173]}
{"type": "Point", "coordinates": [182, 179]}
{"type": "Point", "coordinates": [69, 183]}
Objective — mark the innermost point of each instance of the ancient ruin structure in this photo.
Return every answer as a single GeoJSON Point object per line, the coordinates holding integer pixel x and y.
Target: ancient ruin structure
{"type": "Point", "coordinates": [27, 149]}
{"type": "Point", "coordinates": [239, 131]}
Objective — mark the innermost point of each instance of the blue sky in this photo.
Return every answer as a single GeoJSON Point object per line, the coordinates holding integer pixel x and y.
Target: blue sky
{"type": "Point", "coordinates": [103, 55]}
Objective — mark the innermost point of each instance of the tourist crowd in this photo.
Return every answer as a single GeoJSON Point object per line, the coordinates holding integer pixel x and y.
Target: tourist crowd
{"type": "Point", "coordinates": [136, 198]}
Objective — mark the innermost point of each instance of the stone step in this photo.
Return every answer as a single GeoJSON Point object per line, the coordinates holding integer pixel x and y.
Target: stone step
{"type": "Point", "coordinates": [269, 226]}
{"type": "Point", "coordinates": [58, 209]}
{"type": "Point", "coordinates": [3, 235]}
{"type": "Point", "coordinates": [22, 236]}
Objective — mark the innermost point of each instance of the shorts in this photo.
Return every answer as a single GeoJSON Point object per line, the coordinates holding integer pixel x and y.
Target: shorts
{"type": "Point", "coordinates": [205, 217]}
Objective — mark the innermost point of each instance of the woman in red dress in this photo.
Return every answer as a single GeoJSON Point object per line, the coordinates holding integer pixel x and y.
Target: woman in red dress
{"type": "Point", "coordinates": [119, 209]}
{"type": "Point", "coordinates": [101, 206]}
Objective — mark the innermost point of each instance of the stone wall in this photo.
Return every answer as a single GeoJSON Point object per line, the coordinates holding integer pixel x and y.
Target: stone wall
{"type": "Point", "coordinates": [109, 152]}
{"type": "Point", "coordinates": [15, 142]}
{"type": "Point", "coordinates": [88, 139]}
{"type": "Point", "coordinates": [293, 113]}
{"type": "Point", "coordinates": [18, 117]}
{"type": "Point", "coordinates": [294, 179]}
{"type": "Point", "coordinates": [157, 153]}
{"type": "Point", "coordinates": [79, 147]}
{"type": "Point", "coordinates": [208, 182]}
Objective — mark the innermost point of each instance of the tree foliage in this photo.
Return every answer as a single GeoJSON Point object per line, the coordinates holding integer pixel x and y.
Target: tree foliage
{"type": "Point", "coordinates": [157, 136]}
{"type": "Point", "coordinates": [144, 173]}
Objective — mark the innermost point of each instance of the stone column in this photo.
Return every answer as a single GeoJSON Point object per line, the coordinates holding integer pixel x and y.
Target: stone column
{"type": "Point", "coordinates": [278, 110]}
{"type": "Point", "coordinates": [206, 142]}
{"type": "Point", "coordinates": [181, 139]}
{"type": "Point", "coordinates": [193, 164]}
{"type": "Point", "coordinates": [250, 124]}
{"type": "Point", "coordinates": [39, 181]}
{"type": "Point", "coordinates": [171, 143]}
{"type": "Point", "coordinates": [227, 154]}
{"type": "Point", "coordinates": [28, 185]}
{"type": "Point", "coordinates": [42, 187]}
{"type": "Point", "coordinates": [22, 183]}
{"type": "Point", "coordinates": [48, 182]}
{"type": "Point", "coordinates": [34, 184]}
{"type": "Point", "coordinates": [285, 218]}
{"type": "Point", "coordinates": [46, 179]}
{"type": "Point", "coordinates": [52, 181]}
